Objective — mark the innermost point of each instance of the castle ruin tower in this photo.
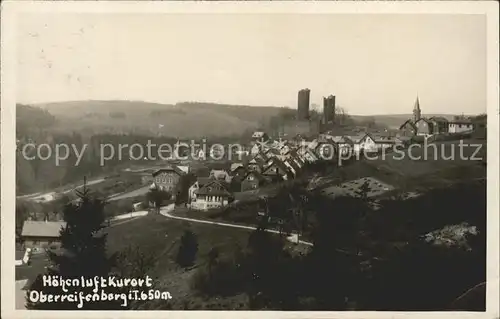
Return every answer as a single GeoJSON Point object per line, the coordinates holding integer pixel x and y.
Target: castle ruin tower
{"type": "Point", "coordinates": [417, 113]}
{"type": "Point", "coordinates": [329, 109]}
{"type": "Point", "coordinates": [303, 104]}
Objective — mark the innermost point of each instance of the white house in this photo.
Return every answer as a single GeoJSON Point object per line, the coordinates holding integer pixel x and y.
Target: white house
{"type": "Point", "coordinates": [200, 181]}
{"type": "Point", "coordinates": [214, 194]}
{"type": "Point", "coordinates": [363, 142]}
{"type": "Point", "coordinates": [459, 126]}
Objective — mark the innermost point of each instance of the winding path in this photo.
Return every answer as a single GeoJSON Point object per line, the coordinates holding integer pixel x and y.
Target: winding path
{"type": "Point", "coordinates": [165, 211]}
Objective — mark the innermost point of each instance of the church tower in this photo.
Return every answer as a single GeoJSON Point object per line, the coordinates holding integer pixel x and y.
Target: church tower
{"type": "Point", "coordinates": [416, 110]}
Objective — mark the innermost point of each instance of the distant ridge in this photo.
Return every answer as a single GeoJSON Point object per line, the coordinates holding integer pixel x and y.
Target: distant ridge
{"type": "Point", "coordinates": [183, 119]}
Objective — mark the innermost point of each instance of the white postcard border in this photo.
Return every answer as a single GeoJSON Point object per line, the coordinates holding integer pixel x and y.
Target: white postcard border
{"type": "Point", "coordinates": [10, 9]}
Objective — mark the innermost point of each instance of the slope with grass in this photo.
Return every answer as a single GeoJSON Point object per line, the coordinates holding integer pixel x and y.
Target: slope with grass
{"type": "Point", "coordinates": [159, 236]}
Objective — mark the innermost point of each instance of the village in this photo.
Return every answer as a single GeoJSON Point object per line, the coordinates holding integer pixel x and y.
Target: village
{"type": "Point", "coordinates": [252, 170]}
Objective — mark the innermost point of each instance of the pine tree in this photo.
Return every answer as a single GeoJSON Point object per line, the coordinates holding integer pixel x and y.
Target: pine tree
{"type": "Point", "coordinates": [157, 197]}
{"type": "Point", "coordinates": [82, 254]}
{"type": "Point", "coordinates": [188, 248]}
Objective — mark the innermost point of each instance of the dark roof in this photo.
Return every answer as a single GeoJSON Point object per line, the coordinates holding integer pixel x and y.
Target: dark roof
{"type": "Point", "coordinates": [261, 155]}
{"type": "Point", "coordinates": [258, 161]}
{"type": "Point", "coordinates": [423, 119]}
{"type": "Point", "coordinates": [277, 162]}
{"type": "Point", "coordinates": [32, 228]}
{"type": "Point", "coordinates": [171, 168]}
{"type": "Point", "coordinates": [218, 173]}
{"type": "Point", "coordinates": [297, 157]}
{"type": "Point", "coordinates": [205, 190]}
{"type": "Point", "coordinates": [202, 172]}
{"type": "Point", "coordinates": [203, 181]}
{"type": "Point", "coordinates": [257, 175]}
{"type": "Point", "coordinates": [293, 164]}
{"type": "Point", "coordinates": [235, 166]}
{"type": "Point", "coordinates": [410, 122]}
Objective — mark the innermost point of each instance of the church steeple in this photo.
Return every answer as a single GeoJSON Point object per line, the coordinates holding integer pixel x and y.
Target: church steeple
{"type": "Point", "coordinates": [416, 110]}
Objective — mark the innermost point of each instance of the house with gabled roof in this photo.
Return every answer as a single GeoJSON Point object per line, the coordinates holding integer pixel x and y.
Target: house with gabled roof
{"type": "Point", "coordinates": [424, 127]}
{"type": "Point", "coordinates": [276, 170]}
{"type": "Point", "coordinates": [200, 182]}
{"type": "Point", "coordinates": [408, 128]}
{"type": "Point", "coordinates": [220, 174]}
{"type": "Point", "coordinates": [313, 144]}
{"type": "Point", "coordinates": [167, 178]}
{"type": "Point", "coordinates": [41, 234]}
{"type": "Point", "coordinates": [255, 164]}
{"type": "Point", "coordinates": [213, 194]}
{"type": "Point", "coordinates": [367, 143]}
{"type": "Point", "coordinates": [262, 156]}
{"type": "Point", "coordinates": [440, 124]}
{"type": "Point", "coordinates": [256, 149]}
{"type": "Point", "coordinates": [459, 125]}
{"type": "Point", "coordinates": [356, 141]}
{"type": "Point", "coordinates": [271, 152]}
{"type": "Point", "coordinates": [254, 180]}
{"type": "Point", "coordinates": [292, 166]}
{"type": "Point", "coordinates": [296, 158]}
{"type": "Point", "coordinates": [344, 144]}
{"type": "Point", "coordinates": [325, 150]}
{"type": "Point", "coordinates": [260, 137]}
{"type": "Point", "coordinates": [307, 155]}
{"type": "Point", "coordinates": [237, 169]}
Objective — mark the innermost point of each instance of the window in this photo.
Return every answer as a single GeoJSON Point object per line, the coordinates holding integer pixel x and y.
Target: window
{"type": "Point", "coordinates": [251, 177]}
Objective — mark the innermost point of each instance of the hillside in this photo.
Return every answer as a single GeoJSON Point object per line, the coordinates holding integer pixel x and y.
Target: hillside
{"type": "Point", "coordinates": [184, 119]}
{"type": "Point", "coordinates": [30, 119]}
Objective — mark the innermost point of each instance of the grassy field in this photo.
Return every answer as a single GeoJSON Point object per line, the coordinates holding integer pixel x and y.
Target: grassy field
{"type": "Point", "coordinates": [159, 235]}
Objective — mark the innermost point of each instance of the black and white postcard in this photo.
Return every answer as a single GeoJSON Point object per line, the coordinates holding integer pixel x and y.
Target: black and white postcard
{"type": "Point", "coordinates": [294, 159]}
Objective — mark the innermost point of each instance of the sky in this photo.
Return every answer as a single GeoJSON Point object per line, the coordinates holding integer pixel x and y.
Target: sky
{"type": "Point", "coordinates": [373, 64]}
